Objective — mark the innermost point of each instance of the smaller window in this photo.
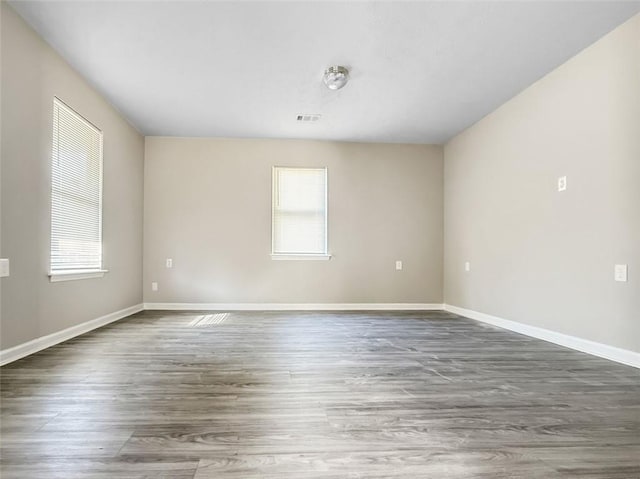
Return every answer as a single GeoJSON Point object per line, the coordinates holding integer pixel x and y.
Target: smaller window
{"type": "Point", "coordinates": [76, 194]}
{"type": "Point", "coordinates": [299, 212]}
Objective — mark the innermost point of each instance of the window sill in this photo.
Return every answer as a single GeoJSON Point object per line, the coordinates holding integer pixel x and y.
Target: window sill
{"type": "Point", "coordinates": [73, 275]}
{"type": "Point", "coordinates": [300, 257]}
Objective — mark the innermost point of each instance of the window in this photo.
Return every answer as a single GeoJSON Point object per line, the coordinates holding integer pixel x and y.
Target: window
{"type": "Point", "coordinates": [76, 196]}
{"type": "Point", "coordinates": [299, 216]}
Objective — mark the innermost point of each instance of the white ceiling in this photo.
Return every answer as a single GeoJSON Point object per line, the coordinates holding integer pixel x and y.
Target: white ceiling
{"type": "Point", "coordinates": [420, 71]}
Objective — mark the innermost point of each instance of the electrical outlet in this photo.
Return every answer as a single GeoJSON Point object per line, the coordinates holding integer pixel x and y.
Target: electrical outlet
{"type": "Point", "coordinates": [154, 286]}
{"type": "Point", "coordinates": [620, 272]}
{"type": "Point", "coordinates": [562, 183]}
{"type": "Point", "coordinates": [169, 263]}
{"type": "Point", "coordinates": [398, 265]}
{"type": "Point", "coordinates": [467, 266]}
{"type": "Point", "coordinates": [4, 267]}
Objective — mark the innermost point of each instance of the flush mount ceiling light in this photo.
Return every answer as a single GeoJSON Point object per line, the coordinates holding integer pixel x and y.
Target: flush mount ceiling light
{"type": "Point", "coordinates": [335, 77]}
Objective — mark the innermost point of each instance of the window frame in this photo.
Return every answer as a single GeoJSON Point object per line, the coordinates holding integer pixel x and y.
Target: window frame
{"type": "Point", "coordinates": [323, 256]}
{"type": "Point", "coordinates": [78, 273]}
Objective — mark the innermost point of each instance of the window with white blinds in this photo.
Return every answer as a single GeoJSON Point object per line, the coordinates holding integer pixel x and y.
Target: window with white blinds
{"type": "Point", "coordinates": [299, 211]}
{"type": "Point", "coordinates": [76, 192]}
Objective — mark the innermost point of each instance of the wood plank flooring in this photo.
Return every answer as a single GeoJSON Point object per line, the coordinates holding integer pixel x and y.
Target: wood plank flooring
{"type": "Point", "coordinates": [316, 395]}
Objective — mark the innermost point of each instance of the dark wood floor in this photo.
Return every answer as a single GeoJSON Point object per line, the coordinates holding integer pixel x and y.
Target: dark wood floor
{"type": "Point", "coordinates": [316, 395]}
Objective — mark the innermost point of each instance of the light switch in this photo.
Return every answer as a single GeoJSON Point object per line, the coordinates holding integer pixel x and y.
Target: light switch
{"type": "Point", "coordinates": [4, 267]}
{"type": "Point", "coordinates": [169, 263]}
{"type": "Point", "coordinates": [154, 286]}
{"type": "Point", "coordinates": [620, 272]}
{"type": "Point", "coordinates": [398, 265]}
{"type": "Point", "coordinates": [467, 266]}
{"type": "Point", "coordinates": [562, 183]}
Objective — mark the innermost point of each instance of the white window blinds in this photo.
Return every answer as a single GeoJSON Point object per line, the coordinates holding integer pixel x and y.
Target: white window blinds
{"type": "Point", "coordinates": [299, 211]}
{"type": "Point", "coordinates": [76, 192]}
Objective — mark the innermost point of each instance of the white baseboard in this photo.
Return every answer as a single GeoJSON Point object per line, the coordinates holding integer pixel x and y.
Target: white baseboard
{"type": "Point", "coordinates": [294, 306]}
{"type": "Point", "coordinates": [612, 353]}
{"type": "Point", "coordinates": [38, 344]}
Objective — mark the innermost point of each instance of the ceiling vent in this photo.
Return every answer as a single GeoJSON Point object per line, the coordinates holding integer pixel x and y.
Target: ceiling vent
{"type": "Point", "coordinates": [308, 118]}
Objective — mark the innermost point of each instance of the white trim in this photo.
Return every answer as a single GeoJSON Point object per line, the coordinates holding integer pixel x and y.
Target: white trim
{"type": "Point", "coordinates": [38, 344]}
{"type": "Point", "coordinates": [624, 356]}
{"type": "Point", "coordinates": [73, 275]}
{"type": "Point", "coordinates": [303, 257]}
{"type": "Point", "coordinates": [294, 306]}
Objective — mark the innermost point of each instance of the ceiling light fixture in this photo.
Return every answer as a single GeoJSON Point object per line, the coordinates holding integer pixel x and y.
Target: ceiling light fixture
{"type": "Point", "coordinates": [335, 77]}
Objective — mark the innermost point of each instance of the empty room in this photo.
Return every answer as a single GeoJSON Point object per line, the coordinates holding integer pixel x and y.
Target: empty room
{"type": "Point", "coordinates": [319, 239]}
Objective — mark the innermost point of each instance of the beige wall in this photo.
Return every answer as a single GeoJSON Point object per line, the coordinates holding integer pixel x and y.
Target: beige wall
{"type": "Point", "coordinates": [208, 207]}
{"type": "Point", "coordinates": [538, 256]}
{"type": "Point", "coordinates": [32, 73]}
